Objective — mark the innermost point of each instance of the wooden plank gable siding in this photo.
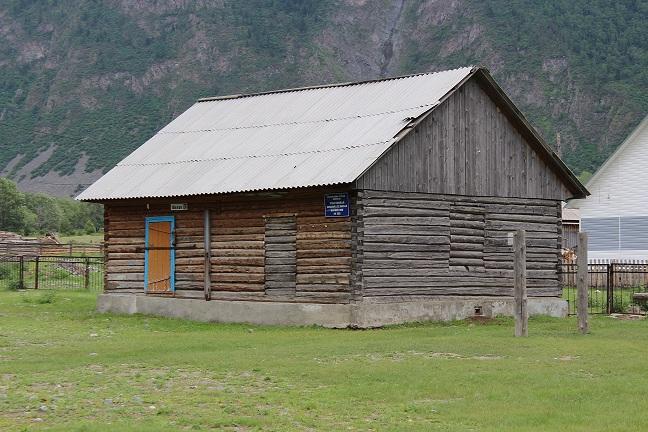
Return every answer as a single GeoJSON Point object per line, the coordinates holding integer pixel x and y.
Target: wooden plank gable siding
{"type": "Point", "coordinates": [415, 252]}
{"type": "Point", "coordinates": [466, 146]}
{"type": "Point", "coordinates": [239, 224]}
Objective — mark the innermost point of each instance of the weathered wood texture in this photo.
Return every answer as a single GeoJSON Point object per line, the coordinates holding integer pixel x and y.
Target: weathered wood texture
{"type": "Point", "coordinates": [319, 251]}
{"type": "Point", "coordinates": [466, 146]}
{"type": "Point", "coordinates": [280, 255]}
{"type": "Point", "coordinates": [520, 312]}
{"type": "Point", "coordinates": [414, 244]}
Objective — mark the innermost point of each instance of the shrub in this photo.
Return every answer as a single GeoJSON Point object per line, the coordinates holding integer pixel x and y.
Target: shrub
{"type": "Point", "coordinates": [4, 272]}
{"type": "Point", "coordinates": [13, 285]}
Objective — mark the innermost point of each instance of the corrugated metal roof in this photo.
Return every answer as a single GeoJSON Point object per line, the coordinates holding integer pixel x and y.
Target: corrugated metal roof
{"type": "Point", "coordinates": [294, 138]}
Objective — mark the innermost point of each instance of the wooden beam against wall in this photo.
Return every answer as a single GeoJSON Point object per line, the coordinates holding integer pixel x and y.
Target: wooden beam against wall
{"type": "Point", "coordinates": [582, 283]}
{"type": "Point", "coordinates": [207, 243]}
{"type": "Point", "coordinates": [520, 290]}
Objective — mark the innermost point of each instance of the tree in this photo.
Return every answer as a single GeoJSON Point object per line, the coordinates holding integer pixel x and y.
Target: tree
{"type": "Point", "coordinates": [12, 209]}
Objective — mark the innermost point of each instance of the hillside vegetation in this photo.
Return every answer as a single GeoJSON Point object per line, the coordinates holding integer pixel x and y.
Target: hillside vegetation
{"type": "Point", "coordinates": [84, 83]}
{"type": "Point", "coordinates": [35, 213]}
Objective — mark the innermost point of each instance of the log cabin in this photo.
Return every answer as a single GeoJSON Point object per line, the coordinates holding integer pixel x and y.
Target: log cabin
{"type": "Point", "coordinates": [346, 205]}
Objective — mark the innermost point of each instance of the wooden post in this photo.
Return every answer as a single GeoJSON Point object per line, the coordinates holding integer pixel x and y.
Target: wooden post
{"type": "Point", "coordinates": [581, 283]}
{"type": "Point", "coordinates": [207, 248]}
{"type": "Point", "coordinates": [520, 290]}
{"type": "Point", "coordinates": [86, 274]}
{"type": "Point", "coordinates": [36, 272]}
{"type": "Point", "coordinates": [22, 272]}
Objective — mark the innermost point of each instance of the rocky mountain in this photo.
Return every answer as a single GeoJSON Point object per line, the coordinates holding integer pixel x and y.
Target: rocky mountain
{"type": "Point", "coordinates": [83, 83]}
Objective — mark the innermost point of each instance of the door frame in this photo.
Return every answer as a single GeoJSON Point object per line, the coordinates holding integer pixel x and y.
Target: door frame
{"type": "Point", "coordinates": [153, 219]}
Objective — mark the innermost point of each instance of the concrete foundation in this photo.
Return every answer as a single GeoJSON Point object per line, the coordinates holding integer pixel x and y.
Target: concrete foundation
{"type": "Point", "coordinates": [362, 315]}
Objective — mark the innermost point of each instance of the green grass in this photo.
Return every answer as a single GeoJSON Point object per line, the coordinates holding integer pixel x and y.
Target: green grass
{"type": "Point", "coordinates": [95, 238]}
{"type": "Point", "coordinates": [597, 300]}
{"type": "Point", "coordinates": [65, 368]}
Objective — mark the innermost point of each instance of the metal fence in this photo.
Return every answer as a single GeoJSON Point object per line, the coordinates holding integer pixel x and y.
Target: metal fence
{"type": "Point", "coordinates": [612, 287]}
{"type": "Point", "coordinates": [51, 272]}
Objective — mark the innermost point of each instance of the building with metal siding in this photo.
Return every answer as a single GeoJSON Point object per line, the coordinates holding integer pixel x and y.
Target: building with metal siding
{"type": "Point", "coordinates": [616, 214]}
{"type": "Point", "coordinates": [356, 204]}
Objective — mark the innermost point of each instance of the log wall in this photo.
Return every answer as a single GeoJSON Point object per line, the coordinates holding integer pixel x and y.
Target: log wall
{"type": "Point", "coordinates": [266, 246]}
{"type": "Point", "coordinates": [415, 244]}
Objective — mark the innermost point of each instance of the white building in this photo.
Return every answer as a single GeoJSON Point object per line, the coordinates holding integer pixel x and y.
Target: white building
{"type": "Point", "coordinates": [616, 214]}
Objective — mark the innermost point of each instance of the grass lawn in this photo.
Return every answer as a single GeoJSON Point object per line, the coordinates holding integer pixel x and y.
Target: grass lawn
{"type": "Point", "coordinates": [95, 238]}
{"type": "Point", "coordinates": [63, 367]}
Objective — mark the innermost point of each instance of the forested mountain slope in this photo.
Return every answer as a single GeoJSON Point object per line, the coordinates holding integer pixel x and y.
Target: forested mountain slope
{"type": "Point", "coordinates": [83, 83]}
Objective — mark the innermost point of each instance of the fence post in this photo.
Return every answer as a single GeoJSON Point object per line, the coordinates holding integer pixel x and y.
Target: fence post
{"type": "Point", "coordinates": [610, 289]}
{"type": "Point", "coordinates": [36, 272]}
{"type": "Point", "coordinates": [520, 290]}
{"type": "Point", "coordinates": [70, 246]}
{"type": "Point", "coordinates": [21, 281]}
{"type": "Point", "coordinates": [581, 283]}
{"type": "Point", "coordinates": [86, 274]}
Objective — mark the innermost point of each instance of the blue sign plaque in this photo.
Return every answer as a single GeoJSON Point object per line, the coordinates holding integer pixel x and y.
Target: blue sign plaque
{"type": "Point", "coordinates": [336, 205]}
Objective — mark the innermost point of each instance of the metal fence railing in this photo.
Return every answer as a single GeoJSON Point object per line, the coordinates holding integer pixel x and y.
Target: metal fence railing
{"type": "Point", "coordinates": [613, 287]}
{"type": "Point", "coordinates": [51, 272]}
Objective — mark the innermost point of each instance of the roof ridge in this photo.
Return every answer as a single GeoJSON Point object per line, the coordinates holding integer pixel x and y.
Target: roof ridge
{"type": "Point", "coordinates": [293, 123]}
{"type": "Point", "coordinates": [321, 86]}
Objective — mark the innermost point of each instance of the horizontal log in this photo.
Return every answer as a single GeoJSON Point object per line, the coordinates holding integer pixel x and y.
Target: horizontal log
{"type": "Point", "coordinates": [478, 262]}
{"type": "Point", "coordinates": [330, 261]}
{"type": "Point", "coordinates": [111, 268]}
{"type": "Point", "coordinates": [281, 254]}
{"type": "Point", "coordinates": [324, 227]}
{"type": "Point", "coordinates": [236, 230]}
{"type": "Point", "coordinates": [369, 212]}
{"type": "Point", "coordinates": [323, 253]}
{"type": "Point", "coordinates": [410, 230]}
{"type": "Point", "coordinates": [408, 239]}
{"type": "Point", "coordinates": [323, 244]}
{"type": "Point", "coordinates": [125, 256]}
{"type": "Point", "coordinates": [478, 234]}
{"type": "Point", "coordinates": [466, 254]}
{"type": "Point", "coordinates": [223, 238]}
{"type": "Point", "coordinates": [324, 235]}
{"type": "Point", "coordinates": [279, 261]}
{"type": "Point", "coordinates": [283, 277]}
{"type": "Point", "coordinates": [237, 244]}
{"type": "Point", "coordinates": [281, 268]}
{"type": "Point", "coordinates": [407, 255]}
{"type": "Point", "coordinates": [245, 261]}
{"type": "Point", "coordinates": [472, 224]}
{"type": "Point", "coordinates": [304, 287]}
{"type": "Point", "coordinates": [217, 277]}
{"type": "Point", "coordinates": [238, 269]}
{"type": "Point", "coordinates": [334, 278]}
{"type": "Point", "coordinates": [441, 262]}
{"type": "Point", "coordinates": [238, 287]}
{"type": "Point", "coordinates": [280, 247]}
{"type": "Point", "coordinates": [370, 246]}
{"type": "Point", "coordinates": [407, 220]}
{"type": "Point", "coordinates": [368, 195]}
{"type": "Point", "coordinates": [495, 225]}
{"type": "Point", "coordinates": [113, 276]}
{"type": "Point", "coordinates": [305, 269]}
